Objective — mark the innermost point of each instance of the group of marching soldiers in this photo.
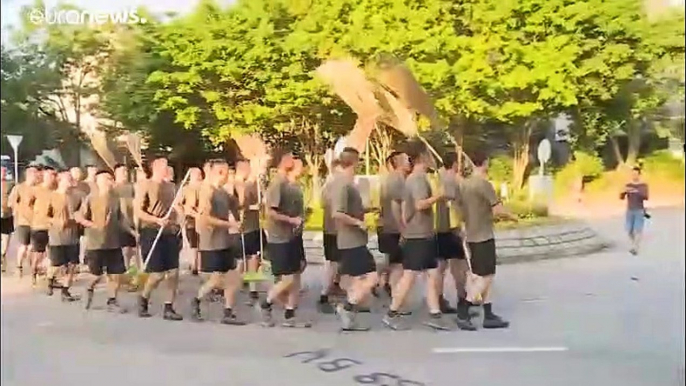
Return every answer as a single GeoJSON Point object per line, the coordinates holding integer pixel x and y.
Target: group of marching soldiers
{"type": "Point", "coordinates": [108, 224]}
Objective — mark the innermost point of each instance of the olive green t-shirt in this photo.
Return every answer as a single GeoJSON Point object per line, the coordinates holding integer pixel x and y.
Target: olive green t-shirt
{"type": "Point", "coordinates": [392, 193]}
{"type": "Point", "coordinates": [476, 200]}
{"type": "Point", "coordinates": [6, 189]}
{"type": "Point", "coordinates": [126, 194]}
{"type": "Point", "coordinates": [155, 199]}
{"type": "Point", "coordinates": [104, 211]}
{"type": "Point", "coordinates": [446, 209]}
{"type": "Point", "coordinates": [214, 202]}
{"type": "Point", "coordinates": [327, 205]}
{"type": "Point", "coordinates": [251, 219]}
{"type": "Point", "coordinates": [41, 208]}
{"type": "Point", "coordinates": [21, 200]}
{"type": "Point", "coordinates": [296, 190]}
{"type": "Point", "coordinates": [64, 229]}
{"type": "Point", "coordinates": [190, 197]}
{"type": "Point", "coordinates": [419, 224]}
{"type": "Point", "coordinates": [283, 200]}
{"type": "Point", "coordinates": [347, 199]}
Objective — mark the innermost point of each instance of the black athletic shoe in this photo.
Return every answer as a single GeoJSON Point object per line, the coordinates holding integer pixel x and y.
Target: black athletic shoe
{"type": "Point", "coordinates": [325, 308]}
{"type": "Point", "coordinates": [446, 309]}
{"type": "Point", "coordinates": [51, 286]}
{"type": "Point", "coordinates": [395, 322]}
{"type": "Point", "coordinates": [194, 272]}
{"type": "Point", "coordinates": [465, 324]}
{"type": "Point", "coordinates": [68, 297]}
{"type": "Point", "coordinates": [231, 319]}
{"type": "Point", "coordinates": [494, 321]}
{"type": "Point", "coordinates": [143, 308]}
{"type": "Point", "coordinates": [89, 298]}
{"type": "Point", "coordinates": [266, 319]}
{"type": "Point", "coordinates": [20, 270]}
{"type": "Point", "coordinates": [437, 322]}
{"type": "Point", "coordinates": [170, 314]}
{"type": "Point", "coordinates": [195, 310]}
{"type": "Point", "coordinates": [114, 307]}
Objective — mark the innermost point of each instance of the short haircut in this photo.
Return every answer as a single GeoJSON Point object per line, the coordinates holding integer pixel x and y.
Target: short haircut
{"type": "Point", "coordinates": [278, 155]}
{"type": "Point", "coordinates": [637, 169]}
{"type": "Point", "coordinates": [103, 171]}
{"type": "Point", "coordinates": [479, 158]}
{"type": "Point", "coordinates": [414, 150]}
{"type": "Point", "coordinates": [392, 158]}
{"type": "Point", "coordinates": [117, 166]}
{"type": "Point", "coordinates": [157, 159]}
{"type": "Point", "coordinates": [348, 157]}
{"type": "Point", "coordinates": [48, 169]}
{"type": "Point", "coordinates": [217, 162]}
{"type": "Point", "coordinates": [449, 159]}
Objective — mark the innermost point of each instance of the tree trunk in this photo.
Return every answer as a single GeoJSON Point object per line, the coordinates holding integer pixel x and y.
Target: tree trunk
{"type": "Point", "coordinates": [313, 163]}
{"type": "Point", "coordinates": [520, 147]}
{"type": "Point", "coordinates": [617, 152]}
{"type": "Point", "coordinates": [634, 142]}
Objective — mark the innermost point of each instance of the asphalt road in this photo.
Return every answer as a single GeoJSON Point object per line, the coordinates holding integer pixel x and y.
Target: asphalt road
{"type": "Point", "coordinates": [605, 319]}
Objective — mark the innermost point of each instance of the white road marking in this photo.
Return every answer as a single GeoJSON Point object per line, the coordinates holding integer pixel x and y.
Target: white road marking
{"type": "Point", "coordinates": [463, 350]}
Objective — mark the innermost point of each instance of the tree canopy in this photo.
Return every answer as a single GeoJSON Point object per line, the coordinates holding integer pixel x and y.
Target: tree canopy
{"type": "Point", "coordinates": [193, 82]}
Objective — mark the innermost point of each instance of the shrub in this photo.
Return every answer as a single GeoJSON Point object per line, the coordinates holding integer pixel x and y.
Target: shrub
{"type": "Point", "coordinates": [662, 164]}
{"type": "Point", "coordinates": [500, 169]}
{"type": "Point", "coordinates": [585, 165]}
{"type": "Point", "coordinates": [525, 209]}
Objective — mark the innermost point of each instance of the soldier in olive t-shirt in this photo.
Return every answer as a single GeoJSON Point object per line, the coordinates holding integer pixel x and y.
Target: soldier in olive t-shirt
{"type": "Point", "coordinates": [63, 235]}
{"type": "Point", "coordinates": [330, 243]}
{"type": "Point", "coordinates": [154, 202]}
{"type": "Point", "coordinates": [351, 234]}
{"type": "Point", "coordinates": [20, 200]}
{"type": "Point", "coordinates": [419, 245]}
{"type": "Point", "coordinates": [219, 243]}
{"type": "Point", "coordinates": [281, 235]}
{"type": "Point", "coordinates": [392, 194]}
{"type": "Point", "coordinates": [40, 220]}
{"type": "Point", "coordinates": [104, 222]}
{"type": "Point", "coordinates": [479, 203]}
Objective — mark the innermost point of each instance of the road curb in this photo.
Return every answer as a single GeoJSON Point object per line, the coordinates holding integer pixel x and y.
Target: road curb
{"type": "Point", "coordinates": [567, 239]}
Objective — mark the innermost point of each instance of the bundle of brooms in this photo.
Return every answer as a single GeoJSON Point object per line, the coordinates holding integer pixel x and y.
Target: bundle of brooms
{"type": "Point", "coordinates": [135, 278]}
{"type": "Point", "coordinates": [390, 95]}
{"type": "Point", "coordinates": [256, 152]}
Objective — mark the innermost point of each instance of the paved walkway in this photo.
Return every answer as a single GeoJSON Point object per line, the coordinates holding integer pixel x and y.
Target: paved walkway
{"type": "Point", "coordinates": [605, 319]}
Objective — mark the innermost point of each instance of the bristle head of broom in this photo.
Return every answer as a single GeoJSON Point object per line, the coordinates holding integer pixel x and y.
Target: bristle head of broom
{"type": "Point", "coordinates": [350, 83]}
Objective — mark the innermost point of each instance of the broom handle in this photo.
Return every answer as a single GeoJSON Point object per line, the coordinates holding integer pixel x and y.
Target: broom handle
{"type": "Point", "coordinates": [431, 149]}
{"type": "Point", "coordinates": [259, 222]}
{"type": "Point", "coordinates": [177, 195]}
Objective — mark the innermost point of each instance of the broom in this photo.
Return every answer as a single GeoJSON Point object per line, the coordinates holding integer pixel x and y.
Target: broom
{"type": "Point", "coordinates": [403, 95]}
{"type": "Point", "coordinates": [101, 146]}
{"type": "Point", "coordinates": [255, 150]}
{"type": "Point", "coordinates": [350, 83]}
{"type": "Point", "coordinates": [133, 143]}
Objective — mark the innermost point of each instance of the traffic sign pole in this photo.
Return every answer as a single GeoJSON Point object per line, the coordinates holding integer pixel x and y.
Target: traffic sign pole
{"type": "Point", "coordinates": [14, 141]}
{"type": "Point", "coordinates": [544, 151]}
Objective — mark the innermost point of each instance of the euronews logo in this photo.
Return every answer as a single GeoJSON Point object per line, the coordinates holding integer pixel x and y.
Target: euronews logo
{"type": "Point", "coordinates": [73, 16]}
